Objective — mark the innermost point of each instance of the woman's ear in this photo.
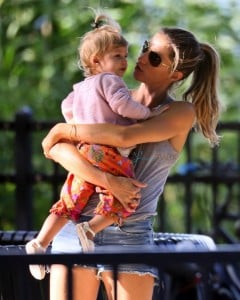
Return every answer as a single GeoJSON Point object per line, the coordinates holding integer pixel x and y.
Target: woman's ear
{"type": "Point", "coordinates": [177, 75]}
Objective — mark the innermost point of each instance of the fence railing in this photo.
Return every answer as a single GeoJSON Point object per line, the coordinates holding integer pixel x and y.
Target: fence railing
{"type": "Point", "coordinates": [190, 266]}
{"type": "Point", "coordinates": [187, 274]}
{"type": "Point", "coordinates": [24, 177]}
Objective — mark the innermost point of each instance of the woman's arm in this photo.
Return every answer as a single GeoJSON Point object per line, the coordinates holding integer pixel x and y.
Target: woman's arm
{"type": "Point", "coordinates": [177, 120]}
{"type": "Point", "coordinates": [124, 189]}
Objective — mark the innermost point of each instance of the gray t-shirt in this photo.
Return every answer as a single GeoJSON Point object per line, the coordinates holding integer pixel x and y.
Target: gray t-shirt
{"type": "Point", "coordinates": [153, 162]}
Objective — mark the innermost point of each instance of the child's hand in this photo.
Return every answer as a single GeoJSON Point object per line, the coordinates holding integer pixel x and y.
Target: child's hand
{"type": "Point", "coordinates": [158, 110]}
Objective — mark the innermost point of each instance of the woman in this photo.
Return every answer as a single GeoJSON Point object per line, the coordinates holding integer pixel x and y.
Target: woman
{"type": "Point", "coordinates": [170, 57]}
{"type": "Point", "coordinates": [103, 59]}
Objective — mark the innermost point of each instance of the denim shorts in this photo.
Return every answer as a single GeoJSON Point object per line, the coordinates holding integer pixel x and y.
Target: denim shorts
{"type": "Point", "coordinates": [134, 234]}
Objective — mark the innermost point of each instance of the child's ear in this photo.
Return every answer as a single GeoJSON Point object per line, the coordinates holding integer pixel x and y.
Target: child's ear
{"type": "Point", "coordinates": [94, 60]}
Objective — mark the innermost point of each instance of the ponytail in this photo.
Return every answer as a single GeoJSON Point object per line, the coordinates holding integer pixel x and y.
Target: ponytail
{"type": "Point", "coordinates": [201, 61]}
{"type": "Point", "coordinates": [203, 93]}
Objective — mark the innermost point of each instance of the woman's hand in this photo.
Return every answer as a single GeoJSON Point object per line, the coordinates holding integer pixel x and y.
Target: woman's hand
{"type": "Point", "coordinates": [126, 190]}
{"type": "Point", "coordinates": [55, 135]}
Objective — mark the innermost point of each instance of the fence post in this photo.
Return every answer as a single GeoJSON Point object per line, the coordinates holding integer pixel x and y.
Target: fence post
{"type": "Point", "coordinates": [23, 161]}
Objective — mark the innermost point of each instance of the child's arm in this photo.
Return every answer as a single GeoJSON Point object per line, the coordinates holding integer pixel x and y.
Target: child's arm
{"type": "Point", "coordinates": [121, 101]}
{"type": "Point", "coordinates": [66, 107]}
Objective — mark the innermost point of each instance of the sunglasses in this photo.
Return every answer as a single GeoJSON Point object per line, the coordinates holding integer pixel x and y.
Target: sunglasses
{"type": "Point", "coordinates": [154, 58]}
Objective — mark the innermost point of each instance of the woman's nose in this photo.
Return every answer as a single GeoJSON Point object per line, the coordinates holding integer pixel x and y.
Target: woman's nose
{"type": "Point", "coordinates": [142, 58]}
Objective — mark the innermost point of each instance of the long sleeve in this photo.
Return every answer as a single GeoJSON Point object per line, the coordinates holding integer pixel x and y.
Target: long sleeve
{"type": "Point", "coordinates": [119, 98]}
{"type": "Point", "coordinates": [103, 98]}
{"type": "Point", "coordinates": [67, 107]}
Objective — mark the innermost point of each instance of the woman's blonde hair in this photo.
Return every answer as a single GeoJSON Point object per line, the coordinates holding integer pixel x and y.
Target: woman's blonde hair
{"type": "Point", "coordinates": [202, 61]}
{"type": "Point", "coordinates": [105, 36]}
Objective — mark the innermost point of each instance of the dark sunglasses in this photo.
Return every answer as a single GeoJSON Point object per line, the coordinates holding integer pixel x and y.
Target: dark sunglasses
{"type": "Point", "coordinates": [154, 58]}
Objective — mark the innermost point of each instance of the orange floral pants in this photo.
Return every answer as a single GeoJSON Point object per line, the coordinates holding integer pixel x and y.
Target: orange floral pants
{"type": "Point", "coordinates": [76, 192]}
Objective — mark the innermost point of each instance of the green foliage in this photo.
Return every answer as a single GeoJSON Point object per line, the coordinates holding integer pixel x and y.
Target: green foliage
{"type": "Point", "coordinates": [38, 58]}
{"type": "Point", "coordinates": [39, 41]}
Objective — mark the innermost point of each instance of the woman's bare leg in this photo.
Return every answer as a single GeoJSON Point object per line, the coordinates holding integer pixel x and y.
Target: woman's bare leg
{"type": "Point", "coordinates": [85, 283]}
{"type": "Point", "coordinates": [129, 286]}
{"type": "Point", "coordinates": [58, 282]}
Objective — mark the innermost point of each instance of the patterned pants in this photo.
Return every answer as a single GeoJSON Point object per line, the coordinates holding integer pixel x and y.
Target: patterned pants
{"type": "Point", "coordinates": [76, 192]}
